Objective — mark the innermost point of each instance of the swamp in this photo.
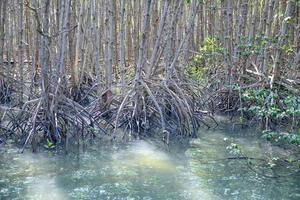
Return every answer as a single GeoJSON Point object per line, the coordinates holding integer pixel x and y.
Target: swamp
{"type": "Point", "coordinates": [149, 99]}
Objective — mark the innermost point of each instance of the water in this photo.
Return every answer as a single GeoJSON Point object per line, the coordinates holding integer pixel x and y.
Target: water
{"type": "Point", "coordinates": [142, 170]}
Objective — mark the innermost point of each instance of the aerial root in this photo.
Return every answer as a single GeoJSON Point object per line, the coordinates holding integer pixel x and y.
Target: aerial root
{"type": "Point", "coordinates": [5, 92]}
{"type": "Point", "coordinates": [150, 105]}
{"type": "Point", "coordinates": [148, 108]}
{"type": "Point", "coordinates": [34, 123]}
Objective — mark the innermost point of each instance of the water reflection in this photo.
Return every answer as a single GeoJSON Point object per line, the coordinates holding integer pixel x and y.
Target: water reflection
{"type": "Point", "coordinates": [142, 154]}
{"type": "Point", "coordinates": [44, 187]}
{"type": "Point", "coordinates": [157, 167]}
{"type": "Point", "coordinates": [38, 176]}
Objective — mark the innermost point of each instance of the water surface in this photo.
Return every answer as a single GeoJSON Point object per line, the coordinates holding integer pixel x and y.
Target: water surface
{"type": "Point", "coordinates": [143, 170]}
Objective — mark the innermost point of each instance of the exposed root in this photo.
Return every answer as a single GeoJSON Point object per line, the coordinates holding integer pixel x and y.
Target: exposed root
{"type": "Point", "coordinates": [223, 101]}
{"type": "Point", "coordinates": [152, 104]}
{"type": "Point", "coordinates": [149, 107]}
{"type": "Point", "coordinates": [5, 92]}
{"type": "Point", "coordinates": [33, 124]}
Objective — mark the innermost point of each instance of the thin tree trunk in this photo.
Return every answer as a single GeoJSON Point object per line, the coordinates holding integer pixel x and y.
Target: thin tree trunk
{"type": "Point", "coordinates": [122, 43]}
{"type": "Point", "coordinates": [75, 67]}
{"type": "Point", "coordinates": [282, 40]}
{"type": "Point", "coordinates": [97, 36]}
{"type": "Point", "coordinates": [228, 38]}
{"type": "Point", "coordinates": [72, 40]}
{"type": "Point", "coordinates": [129, 27]}
{"type": "Point", "coordinates": [160, 29]}
{"type": "Point", "coordinates": [241, 19]}
{"type": "Point", "coordinates": [115, 36]}
{"type": "Point", "coordinates": [21, 50]}
{"type": "Point", "coordinates": [64, 16]}
{"type": "Point", "coordinates": [110, 41]}
{"type": "Point", "coordinates": [146, 21]}
{"type": "Point", "coordinates": [136, 30]}
{"type": "Point", "coordinates": [170, 68]}
{"type": "Point", "coordinates": [3, 8]}
{"type": "Point", "coordinates": [268, 34]}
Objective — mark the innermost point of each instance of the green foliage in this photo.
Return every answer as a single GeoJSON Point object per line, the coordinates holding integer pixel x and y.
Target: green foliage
{"type": "Point", "coordinates": [254, 47]}
{"type": "Point", "coordinates": [279, 107]}
{"type": "Point", "coordinates": [281, 137]}
{"type": "Point", "coordinates": [234, 149]}
{"type": "Point", "coordinates": [196, 70]}
{"type": "Point", "coordinates": [49, 145]}
{"type": "Point", "coordinates": [210, 49]}
{"type": "Point", "coordinates": [210, 46]}
{"type": "Point", "coordinates": [287, 49]}
{"type": "Point", "coordinates": [265, 103]}
{"type": "Point", "coordinates": [190, 1]}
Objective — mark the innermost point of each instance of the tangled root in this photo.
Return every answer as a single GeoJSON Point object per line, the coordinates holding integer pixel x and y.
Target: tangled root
{"type": "Point", "coordinates": [224, 101]}
{"type": "Point", "coordinates": [35, 123]}
{"type": "Point", "coordinates": [5, 92]}
{"type": "Point", "coordinates": [152, 104]}
{"type": "Point", "coordinates": [153, 108]}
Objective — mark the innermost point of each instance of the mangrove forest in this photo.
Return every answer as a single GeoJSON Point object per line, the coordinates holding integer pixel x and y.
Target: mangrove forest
{"type": "Point", "coordinates": [149, 99]}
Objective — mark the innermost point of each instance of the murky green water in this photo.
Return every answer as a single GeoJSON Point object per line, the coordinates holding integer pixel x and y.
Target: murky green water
{"type": "Point", "coordinates": [141, 170]}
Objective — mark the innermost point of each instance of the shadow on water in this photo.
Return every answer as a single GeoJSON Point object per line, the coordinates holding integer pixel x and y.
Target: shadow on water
{"type": "Point", "coordinates": [143, 170]}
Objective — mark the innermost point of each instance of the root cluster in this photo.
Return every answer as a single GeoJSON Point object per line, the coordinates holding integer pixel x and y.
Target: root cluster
{"type": "Point", "coordinates": [154, 108]}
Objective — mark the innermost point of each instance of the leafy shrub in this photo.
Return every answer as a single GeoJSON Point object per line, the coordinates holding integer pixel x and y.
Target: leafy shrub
{"type": "Point", "coordinates": [281, 137]}
{"type": "Point", "coordinates": [208, 52]}
{"type": "Point", "coordinates": [278, 107]}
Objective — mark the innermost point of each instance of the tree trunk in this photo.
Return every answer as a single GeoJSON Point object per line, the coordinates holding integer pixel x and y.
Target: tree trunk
{"type": "Point", "coordinates": [109, 43]}
{"type": "Point", "coordinates": [170, 68]}
{"type": "Point", "coordinates": [3, 8]}
{"type": "Point", "coordinates": [21, 51]}
{"type": "Point", "coordinates": [160, 29]}
{"type": "Point", "coordinates": [145, 25]}
{"type": "Point", "coordinates": [75, 67]}
{"type": "Point", "coordinates": [96, 36]}
{"type": "Point", "coordinates": [122, 43]}
{"type": "Point", "coordinates": [268, 34]}
{"type": "Point", "coordinates": [282, 41]}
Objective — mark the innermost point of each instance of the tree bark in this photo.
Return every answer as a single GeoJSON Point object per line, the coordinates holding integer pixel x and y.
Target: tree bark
{"type": "Point", "coordinates": [3, 8]}
{"type": "Point", "coordinates": [282, 41]}
{"type": "Point", "coordinates": [145, 25]}
{"type": "Point", "coordinates": [122, 43]}
{"type": "Point", "coordinates": [21, 50]}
